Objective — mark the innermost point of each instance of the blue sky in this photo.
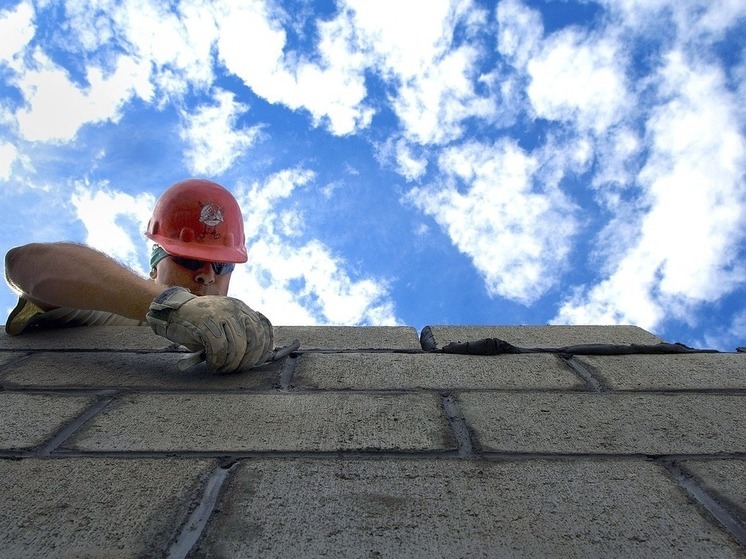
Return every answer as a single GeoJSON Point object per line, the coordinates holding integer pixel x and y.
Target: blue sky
{"type": "Point", "coordinates": [402, 162]}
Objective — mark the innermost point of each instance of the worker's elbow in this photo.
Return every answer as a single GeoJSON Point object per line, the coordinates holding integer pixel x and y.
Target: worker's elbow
{"type": "Point", "coordinates": [14, 263]}
{"type": "Point", "coordinates": [12, 257]}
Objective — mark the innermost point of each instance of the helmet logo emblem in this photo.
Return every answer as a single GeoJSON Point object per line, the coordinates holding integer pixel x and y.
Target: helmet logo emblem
{"type": "Point", "coordinates": [210, 216]}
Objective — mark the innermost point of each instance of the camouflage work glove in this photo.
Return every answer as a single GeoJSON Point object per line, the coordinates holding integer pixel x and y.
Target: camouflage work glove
{"type": "Point", "coordinates": [232, 336]}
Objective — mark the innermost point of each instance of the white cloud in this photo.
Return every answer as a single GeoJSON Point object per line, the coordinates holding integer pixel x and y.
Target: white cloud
{"type": "Point", "coordinates": [520, 31]}
{"type": "Point", "coordinates": [56, 107]}
{"type": "Point", "coordinates": [420, 32]}
{"type": "Point", "coordinates": [332, 89]}
{"type": "Point", "coordinates": [617, 153]}
{"type": "Point", "coordinates": [415, 52]}
{"type": "Point", "coordinates": [410, 165]}
{"type": "Point", "coordinates": [213, 142]}
{"type": "Point", "coordinates": [167, 51]}
{"type": "Point", "coordinates": [16, 30]}
{"type": "Point", "coordinates": [572, 76]}
{"type": "Point", "coordinates": [114, 221]}
{"type": "Point", "coordinates": [675, 191]}
{"type": "Point", "coordinates": [8, 155]}
{"type": "Point", "coordinates": [163, 50]}
{"type": "Point", "coordinates": [685, 247]}
{"type": "Point", "coordinates": [509, 218]}
{"type": "Point", "coordinates": [433, 105]}
{"type": "Point", "coordinates": [174, 42]}
{"type": "Point", "coordinates": [578, 79]}
{"type": "Point", "coordinates": [295, 282]}
{"type": "Point", "coordinates": [690, 21]}
{"type": "Point", "coordinates": [695, 178]}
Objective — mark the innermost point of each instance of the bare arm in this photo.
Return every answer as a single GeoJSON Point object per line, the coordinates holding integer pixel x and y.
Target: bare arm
{"type": "Point", "coordinates": [76, 276]}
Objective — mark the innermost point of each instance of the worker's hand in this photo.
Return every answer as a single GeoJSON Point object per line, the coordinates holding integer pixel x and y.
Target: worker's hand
{"type": "Point", "coordinates": [233, 336]}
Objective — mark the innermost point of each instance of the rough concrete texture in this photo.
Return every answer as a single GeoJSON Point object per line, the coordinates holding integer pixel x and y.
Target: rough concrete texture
{"type": "Point", "coordinates": [349, 337]}
{"type": "Point", "coordinates": [361, 444]}
{"type": "Point", "coordinates": [670, 372]}
{"type": "Point", "coordinates": [606, 423]}
{"type": "Point", "coordinates": [544, 336]}
{"type": "Point", "coordinates": [130, 370]}
{"type": "Point", "coordinates": [95, 507]}
{"type": "Point", "coordinates": [446, 508]}
{"type": "Point", "coordinates": [30, 419]}
{"type": "Point", "coordinates": [433, 371]}
{"type": "Point", "coordinates": [268, 422]}
{"type": "Point", "coordinates": [726, 479]}
{"type": "Point", "coordinates": [97, 338]}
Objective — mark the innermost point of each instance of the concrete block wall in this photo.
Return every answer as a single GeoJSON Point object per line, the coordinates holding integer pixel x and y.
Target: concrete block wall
{"type": "Point", "coordinates": [361, 444]}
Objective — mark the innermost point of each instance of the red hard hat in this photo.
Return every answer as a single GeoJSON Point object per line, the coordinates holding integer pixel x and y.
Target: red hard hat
{"type": "Point", "coordinates": [200, 219]}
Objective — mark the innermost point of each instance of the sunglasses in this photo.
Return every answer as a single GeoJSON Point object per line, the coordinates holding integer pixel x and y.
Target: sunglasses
{"type": "Point", "coordinates": [220, 268]}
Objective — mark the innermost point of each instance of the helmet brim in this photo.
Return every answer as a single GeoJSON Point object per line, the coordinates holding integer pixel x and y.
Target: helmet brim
{"type": "Point", "coordinates": [208, 253]}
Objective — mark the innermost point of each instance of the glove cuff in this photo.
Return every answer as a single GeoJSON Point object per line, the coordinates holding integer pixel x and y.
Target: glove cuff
{"type": "Point", "coordinates": [171, 298]}
{"type": "Point", "coordinates": [163, 305]}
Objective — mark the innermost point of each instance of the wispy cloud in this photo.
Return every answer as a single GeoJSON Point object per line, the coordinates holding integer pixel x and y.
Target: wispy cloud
{"type": "Point", "coordinates": [500, 210]}
{"type": "Point", "coordinates": [16, 30]}
{"type": "Point", "coordinates": [213, 141]}
{"type": "Point", "coordinates": [57, 107]}
{"type": "Point", "coordinates": [300, 280]}
{"type": "Point", "coordinates": [114, 221]}
{"type": "Point", "coordinates": [332, 89]}
{"type": "Point", "coordinates": [431, 73]}
{"type": "Point", "coordinates": [684, 243]}
{"type": "Point", "coordinates": [8, 155]}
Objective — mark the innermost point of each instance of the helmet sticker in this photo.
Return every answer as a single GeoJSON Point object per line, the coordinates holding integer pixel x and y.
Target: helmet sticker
{"type": "Point", "coordinates": [210, 216]}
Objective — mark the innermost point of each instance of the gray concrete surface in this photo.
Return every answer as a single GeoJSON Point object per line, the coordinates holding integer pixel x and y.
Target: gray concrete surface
{"type": "Point", "coordinates": [97, 338]}
{"type": "Point", "coordinates": [30, 419]}
{"type": "Point", "coordinates": [545, 336]}
{"type": "Point", "coordinates": [95, 507]}
{"type": "Point", "coordinates": [434, 371]}
{"type": "Point", "coordinates": [572, 423]}
{"type": "Point", "coordinates": [349, 337]}
{"type": "Point", "coordinates": [362, 445]}
{"type": "Point", "coordinates": [670, 372]}
{"type": "Point", "coordinates": [444, 508]}
{"type": "Point", "coordinates": [268, 422]}
{"type": "Point", "coordinates": [129, 370]}
{"type": "Point", "coordinates": [726, 479]}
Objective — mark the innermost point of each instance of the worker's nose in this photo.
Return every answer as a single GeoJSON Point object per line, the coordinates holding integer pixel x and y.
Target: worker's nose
{"type": "Point", "coordinates": [205, 275]}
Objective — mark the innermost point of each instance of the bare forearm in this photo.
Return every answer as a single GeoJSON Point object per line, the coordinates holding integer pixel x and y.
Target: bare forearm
{"type": "Point", "coordinates": [76, 276]}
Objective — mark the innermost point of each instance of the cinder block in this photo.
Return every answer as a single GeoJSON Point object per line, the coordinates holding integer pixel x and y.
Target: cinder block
{"type": "Point", "coordinates": [8, 358]}
{"type": "Point", "coordinates": [348, 337]}
{"type": "Point", "coordinates": [725, 479]}
{"type": "Point", "coordinates": [433, 371]}
{"type": "Point", "coordinates": [95, 507]}
{"type": "Point", "coordinates": [131, 370]}
{"type": "Point", "coordinates": [98, 338]}
{"type": "Point", "coordinates": [28, 420]}
{"type": "Point", "coordinates": [544, 336]}
{"type": "Point", "coordinates": [670, 372]}
{"type": "Point", "coordinates": [600, 423]}
{"type": "Point", "coordinates": [445, 508]}
{"type": "Point", "coordinates": [266, 422]}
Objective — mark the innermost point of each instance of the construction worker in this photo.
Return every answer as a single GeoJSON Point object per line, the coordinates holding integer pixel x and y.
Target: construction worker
{"type": "Point", "coordinates": [198, 233]}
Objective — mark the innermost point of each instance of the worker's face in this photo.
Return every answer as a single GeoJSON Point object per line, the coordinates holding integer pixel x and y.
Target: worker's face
{"type": "Point", "coordinates": [202, 281]}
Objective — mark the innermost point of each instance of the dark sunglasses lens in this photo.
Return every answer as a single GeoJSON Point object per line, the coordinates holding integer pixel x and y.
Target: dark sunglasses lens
{"type": "Point", "coordinates": [188, 263]}
{"type": "Point", "coordinates": [220, 268]}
